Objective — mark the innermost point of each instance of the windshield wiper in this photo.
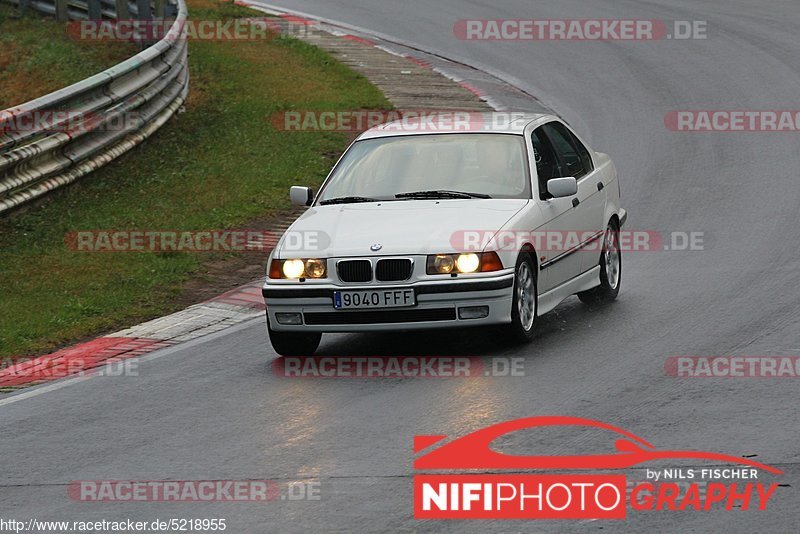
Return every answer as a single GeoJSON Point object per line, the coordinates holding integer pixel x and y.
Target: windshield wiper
{"type": "Point", "coordinates": [348, 200]}
{"type": "Point", "coordinates": [441, 193]}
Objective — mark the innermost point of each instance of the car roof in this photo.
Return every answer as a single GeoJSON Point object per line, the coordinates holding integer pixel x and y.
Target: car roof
{"type": "Point", "coordinates": [455, 122]}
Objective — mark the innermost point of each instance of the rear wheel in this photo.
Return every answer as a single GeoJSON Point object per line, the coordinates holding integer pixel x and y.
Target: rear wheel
{"type": "Point", "coordinates": [610, 269]}
{"type": "Point", "coordinates": [525, 302]}
{"type": "Point", "coordinates": [294, 343]}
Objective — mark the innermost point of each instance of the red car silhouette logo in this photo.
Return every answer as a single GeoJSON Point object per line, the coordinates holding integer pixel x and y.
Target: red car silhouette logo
{"type": "Point", "coordinates": [473, 451]}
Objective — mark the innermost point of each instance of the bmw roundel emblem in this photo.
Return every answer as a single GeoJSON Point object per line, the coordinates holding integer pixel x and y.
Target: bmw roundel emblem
{"type": "Point", "coordinates": [376, 247]}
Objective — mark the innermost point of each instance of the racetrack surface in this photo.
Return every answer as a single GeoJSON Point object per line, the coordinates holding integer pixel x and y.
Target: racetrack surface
{"type": "Point", "coordinates": [214, 409]}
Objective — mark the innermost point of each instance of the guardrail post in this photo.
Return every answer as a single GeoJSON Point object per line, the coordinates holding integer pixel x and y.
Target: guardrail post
{"type": "Point", "coordinates": [143, 10]}
{"type": "Point", "coordinates": [24, 5]}
{"type": "Point", "coordinates": [61, 11]}
{"type": "Point", "coordinates": [94, 10]}
{"type": "Point", "coordinates": [170, 10]}
{"type": "Point", "coordinates": [123, 13]}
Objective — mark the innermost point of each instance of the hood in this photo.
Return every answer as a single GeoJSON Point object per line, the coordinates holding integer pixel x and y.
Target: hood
{"type": "Point", "coordinates": [400, 227]}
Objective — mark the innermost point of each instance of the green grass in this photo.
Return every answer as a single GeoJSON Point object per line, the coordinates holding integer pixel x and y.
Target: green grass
{"type": "Point", "coordinates": [37, 56]}
{"type": "Point", "coordinates": [218, 165]}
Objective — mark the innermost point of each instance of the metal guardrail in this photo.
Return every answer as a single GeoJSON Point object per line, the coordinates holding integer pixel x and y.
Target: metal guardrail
{"type": "Point", "coordinates": [70, 132]}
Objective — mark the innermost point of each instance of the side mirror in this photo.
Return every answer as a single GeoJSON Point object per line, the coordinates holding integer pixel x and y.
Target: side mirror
{"type": "Point", "coordinates": [562, 187]}
{"type": "Point", "coordinates": [301, 196]}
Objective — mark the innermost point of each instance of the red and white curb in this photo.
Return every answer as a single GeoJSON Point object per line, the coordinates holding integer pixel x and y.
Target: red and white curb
{"type": "Point", "coordinates": [500, 93]}
{"type": "Point", "coordinates": [224, 311]}
{"type": "Point", "coordinates": [231, 308]}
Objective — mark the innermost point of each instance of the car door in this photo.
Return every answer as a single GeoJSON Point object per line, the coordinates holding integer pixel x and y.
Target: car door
{"type": "Point", "coordinates": [590, 202]}
{"type": "Point", "coordinates": [556, 266]}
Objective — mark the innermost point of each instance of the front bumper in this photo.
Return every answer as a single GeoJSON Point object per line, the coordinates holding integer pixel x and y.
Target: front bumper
{"type": "Point", "coordinates": [437, 306]}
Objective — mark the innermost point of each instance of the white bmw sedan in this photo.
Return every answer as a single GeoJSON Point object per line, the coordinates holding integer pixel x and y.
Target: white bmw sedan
{"type": "Point", "coordinates": [485, 222]}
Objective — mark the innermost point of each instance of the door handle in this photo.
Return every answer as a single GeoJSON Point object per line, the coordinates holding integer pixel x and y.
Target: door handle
{"type": "Point", "coordinates": [600, 186]}
{"type": "Point", "coordinates": [575, 202]}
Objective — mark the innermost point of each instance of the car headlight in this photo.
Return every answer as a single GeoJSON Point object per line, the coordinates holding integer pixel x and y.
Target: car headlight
{"type": "Point", "coordinates": [468, 263]}
{"type": "Point", "coordinates": [442, 264]}
{"type": "Point", "coordinates": [463, 263]}
{"type": "Point", "coordinates": [293, 268]}
{"type": "Point", "coordinates": [316, 268]}
{"type": "Point", "coordinates": [298, 268]}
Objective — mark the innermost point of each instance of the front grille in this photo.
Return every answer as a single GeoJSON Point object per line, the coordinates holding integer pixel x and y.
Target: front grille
{"type": "Point", "coordinates": [393, 270]}
{"type": "Point", "coordinates": [355, 271]}
{"type": "Point", "coordinates": [378, 317]}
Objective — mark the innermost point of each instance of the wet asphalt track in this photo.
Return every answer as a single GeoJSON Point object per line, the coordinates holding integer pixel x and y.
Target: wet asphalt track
{"type": "Point", "coordinates": [213, 409]}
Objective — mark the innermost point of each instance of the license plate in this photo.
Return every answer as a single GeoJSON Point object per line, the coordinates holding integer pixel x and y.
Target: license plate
{"type": "Point", "coordinates": [384, 298]}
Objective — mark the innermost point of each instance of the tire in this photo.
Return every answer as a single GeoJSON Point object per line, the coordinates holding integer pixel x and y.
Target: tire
{"type": "Point", "coordinates": [610, 269]}
{"type": "Point", "coordinates": [525, 303]}
{"type": "Point", "coordinates": [294, 343]}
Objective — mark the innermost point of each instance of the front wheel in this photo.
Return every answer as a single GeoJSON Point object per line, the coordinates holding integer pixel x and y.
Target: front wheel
{"type": "Point", "coordinates": [294, 343]}
{"type": "Point", "coordinates": [610, 270]}
{"type": "Point", "coordinates": [525, 302]}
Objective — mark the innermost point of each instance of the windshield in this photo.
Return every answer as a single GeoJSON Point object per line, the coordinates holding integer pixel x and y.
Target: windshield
{"type": "Point", "coordinates": [434, 166]}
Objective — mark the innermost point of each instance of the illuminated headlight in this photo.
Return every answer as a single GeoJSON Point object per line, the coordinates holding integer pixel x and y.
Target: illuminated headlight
{"type": "Point", "coordinates": [298, 268]}
{"type": "Point", "coordinates": [463, 263]}
{"type": "Point", "coordinates": [293, 268]}
{"type": "Point", "coordinates": [468, 263]}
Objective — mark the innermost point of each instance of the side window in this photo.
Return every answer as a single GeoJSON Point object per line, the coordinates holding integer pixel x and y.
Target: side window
{"type": "Point", "coordinates": [547, 165]}
{"type": "Point", "coordinates": [573, 154]}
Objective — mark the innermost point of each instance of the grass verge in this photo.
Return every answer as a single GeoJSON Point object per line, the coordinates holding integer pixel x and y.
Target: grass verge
{"type": "Point", "coordinates": [221, 164]}
{"type": "Point", "coordinates": [37, 56]}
